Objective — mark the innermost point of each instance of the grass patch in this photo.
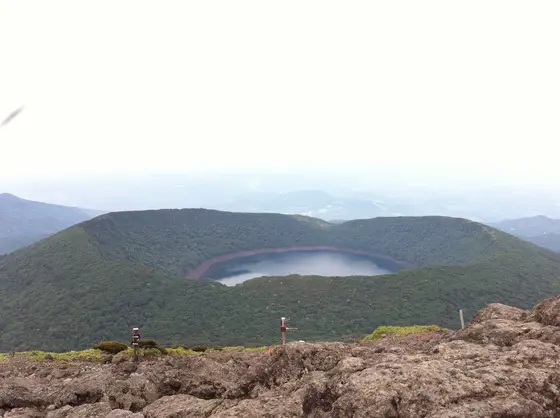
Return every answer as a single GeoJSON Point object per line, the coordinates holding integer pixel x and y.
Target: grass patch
{"type": "Point", "coordinates": [182, 351]}
{"type": "Point", "coordinates": [97, 354]}
{"type": "Point", "coordinates": [256, 349]}
{"type": "Point", "coordinates": [241, 348]}
{"type": "Point", "coordinates": [401, 331]}
{"type": "Point", "coordinates": [83, 355]}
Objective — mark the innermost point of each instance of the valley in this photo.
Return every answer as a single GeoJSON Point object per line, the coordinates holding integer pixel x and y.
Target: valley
{"type": "Point", "coordinates": [96, 280]}
{"type": "Point", "coordinates": [279, 210]}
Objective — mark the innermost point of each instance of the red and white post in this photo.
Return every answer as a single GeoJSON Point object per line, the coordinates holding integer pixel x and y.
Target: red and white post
{"type": "Point", "coordinates": [283, 330]}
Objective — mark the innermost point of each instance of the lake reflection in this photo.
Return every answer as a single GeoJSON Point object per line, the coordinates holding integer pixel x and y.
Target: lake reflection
{"type": "Point", "coordinates": [325, 263]}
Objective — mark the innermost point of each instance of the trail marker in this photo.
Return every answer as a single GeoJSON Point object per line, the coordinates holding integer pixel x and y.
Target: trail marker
{"type": "Point", "coordinates": [283, 330]}
{"type": "Point", "coordinates": [135, 341]}
{"type": "Point", "coordinates": [462, 320]}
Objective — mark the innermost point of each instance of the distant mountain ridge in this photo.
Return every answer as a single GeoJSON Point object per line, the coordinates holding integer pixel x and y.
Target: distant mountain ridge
{"type": "Point", "coordinates": [540, 230]}
{"type": "Point", "coordinates": [23, 222]}
{"type": "Point", "coordinates": [259, 192]}
{"type": "Point", "coordinates": [315, 203]}
{"type": "Point", "coordinates": [550, 241]}
{"type": "Point", "coordinates": [529, 226]}
{"type": "Point", "coordinates": [480, 207]}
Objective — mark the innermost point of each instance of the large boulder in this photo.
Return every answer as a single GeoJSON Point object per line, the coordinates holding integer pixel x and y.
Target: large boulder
{"type": "Point", "coordinates": [460, 379]}
{"type": "Point", "coordinates": [75, 393]}
{"type": "Point", "coordinates": [270, 405]}
{"type": "Point", "coordinates": [498, 311]}
{"type": "Point", "coordinates": [121, 413]}
{"type": "Point", "coordinates": [180, 406]}
{"type": "Point", "coordinates": [297, 359]}
{"type": "Point", "coordinates": [19, 393]}
{"type": "Point", "coordinates": [198, 376]}
{"type": "Point", "coordinates": [132, 393]}
{"type": "Point", "coordinates": [87, 410]}
{"type": "Point", "coordinates": [23, 413]}
{"type": "Point", "coordinates": [94, 410]}
{"type": "Point", "coordinates": [547, 312]}
{"type": "Point", "coordinates": [503, 364]}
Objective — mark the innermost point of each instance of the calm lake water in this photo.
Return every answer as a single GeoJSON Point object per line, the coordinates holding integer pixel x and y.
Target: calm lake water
{"type": "Point", "coordinates": [319, 263]}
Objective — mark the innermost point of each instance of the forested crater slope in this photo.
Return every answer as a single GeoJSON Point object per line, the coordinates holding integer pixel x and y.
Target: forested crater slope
{"type": "Point", "coordinates": [177, 241]}
{"type": "Point", "coordinates": [96, 280]}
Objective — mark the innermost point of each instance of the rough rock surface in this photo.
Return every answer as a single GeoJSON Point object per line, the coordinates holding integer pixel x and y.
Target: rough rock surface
{"type": "Point", "coordinates": [505, 363]}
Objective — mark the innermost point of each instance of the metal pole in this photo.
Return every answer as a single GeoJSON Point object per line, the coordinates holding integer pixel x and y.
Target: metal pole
{"type": "Point", "coordinates": [462, 320]}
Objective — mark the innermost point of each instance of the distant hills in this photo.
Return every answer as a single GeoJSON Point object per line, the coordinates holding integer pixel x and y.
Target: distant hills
{"type": "Point", "coordinates": [323, 195]}
{"type": "Point", "coordinates": [23, 222]}
{"type": "Point", "coordinates": [483, 205]}
{"type": "Point", "coordinates": [97, 279]}
{"type": "Point", "coordinates": [316, 203]}
{"type": "Point", "coordinates": [550, 241]}
{"type": "Point", "coordinates": [540, 230]}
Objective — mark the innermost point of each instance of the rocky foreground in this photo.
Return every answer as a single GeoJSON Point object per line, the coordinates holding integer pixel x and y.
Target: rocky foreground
{"type": "Point", "coordinates": [506, 363]}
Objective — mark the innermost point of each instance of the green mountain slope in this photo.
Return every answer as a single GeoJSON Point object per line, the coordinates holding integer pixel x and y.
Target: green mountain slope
{"type": "Point", "coordinates": [96, 280]}
{"type": "Point", "coordinates": [176, 241]}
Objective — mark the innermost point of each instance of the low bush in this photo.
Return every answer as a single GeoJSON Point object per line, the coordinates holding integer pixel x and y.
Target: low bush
{"type": "Point", "coordinates": [151, 344]}
{"type": "Point", "coordinates": [152, 352]}
{"type": "Point", "coordinates": [179, 347]}
{"type": "Point", "coordinates": [111, 347]}
{"type": "Point", "coordinates": [199, 348]}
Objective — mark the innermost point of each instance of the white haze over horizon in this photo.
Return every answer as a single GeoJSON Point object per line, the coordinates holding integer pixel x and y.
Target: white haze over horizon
{"type": "Point", "coordinates": [436, 91]}
{"type": "Point", "coordinates": [305, 264]}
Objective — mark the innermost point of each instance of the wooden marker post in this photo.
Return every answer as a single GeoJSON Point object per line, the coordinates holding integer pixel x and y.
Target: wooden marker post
{"type": "Point", "coordinates": [283, 330]}
{"type": "Point", "coordinates": [135, 341]}
{"type": "Point", "coordinates": [461, 317]}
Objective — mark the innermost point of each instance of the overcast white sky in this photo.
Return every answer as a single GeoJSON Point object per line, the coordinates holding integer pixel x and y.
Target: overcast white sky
{"type": "Point", "coordinates": [455, 88]}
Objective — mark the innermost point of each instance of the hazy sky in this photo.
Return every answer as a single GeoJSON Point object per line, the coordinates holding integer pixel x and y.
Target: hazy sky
{"type": "Point", "coordinates": [446, 87]}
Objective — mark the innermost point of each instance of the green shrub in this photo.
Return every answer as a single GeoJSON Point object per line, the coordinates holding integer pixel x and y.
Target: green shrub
{"type": "Point", "coordinates": [112, 347]}
{"type": "Point", "coordinates": [401, 331]}
{"type": "Point", "coordinates": [151, 344]}
{"type": "Point", "coordinates": [147, 344]}
{"type": "Point", "coordinates": [179, 347]}
{"type": "Point", "coordinates": [199, 348]}
{"type": "Point", "coordinates": [153, 352]}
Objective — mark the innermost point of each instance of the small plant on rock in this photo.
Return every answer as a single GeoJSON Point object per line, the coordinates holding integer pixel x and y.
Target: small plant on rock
{"type": "Point", "coordinates": [179, 347]}
{"type": "Point", "coordinates": [388, 331]}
